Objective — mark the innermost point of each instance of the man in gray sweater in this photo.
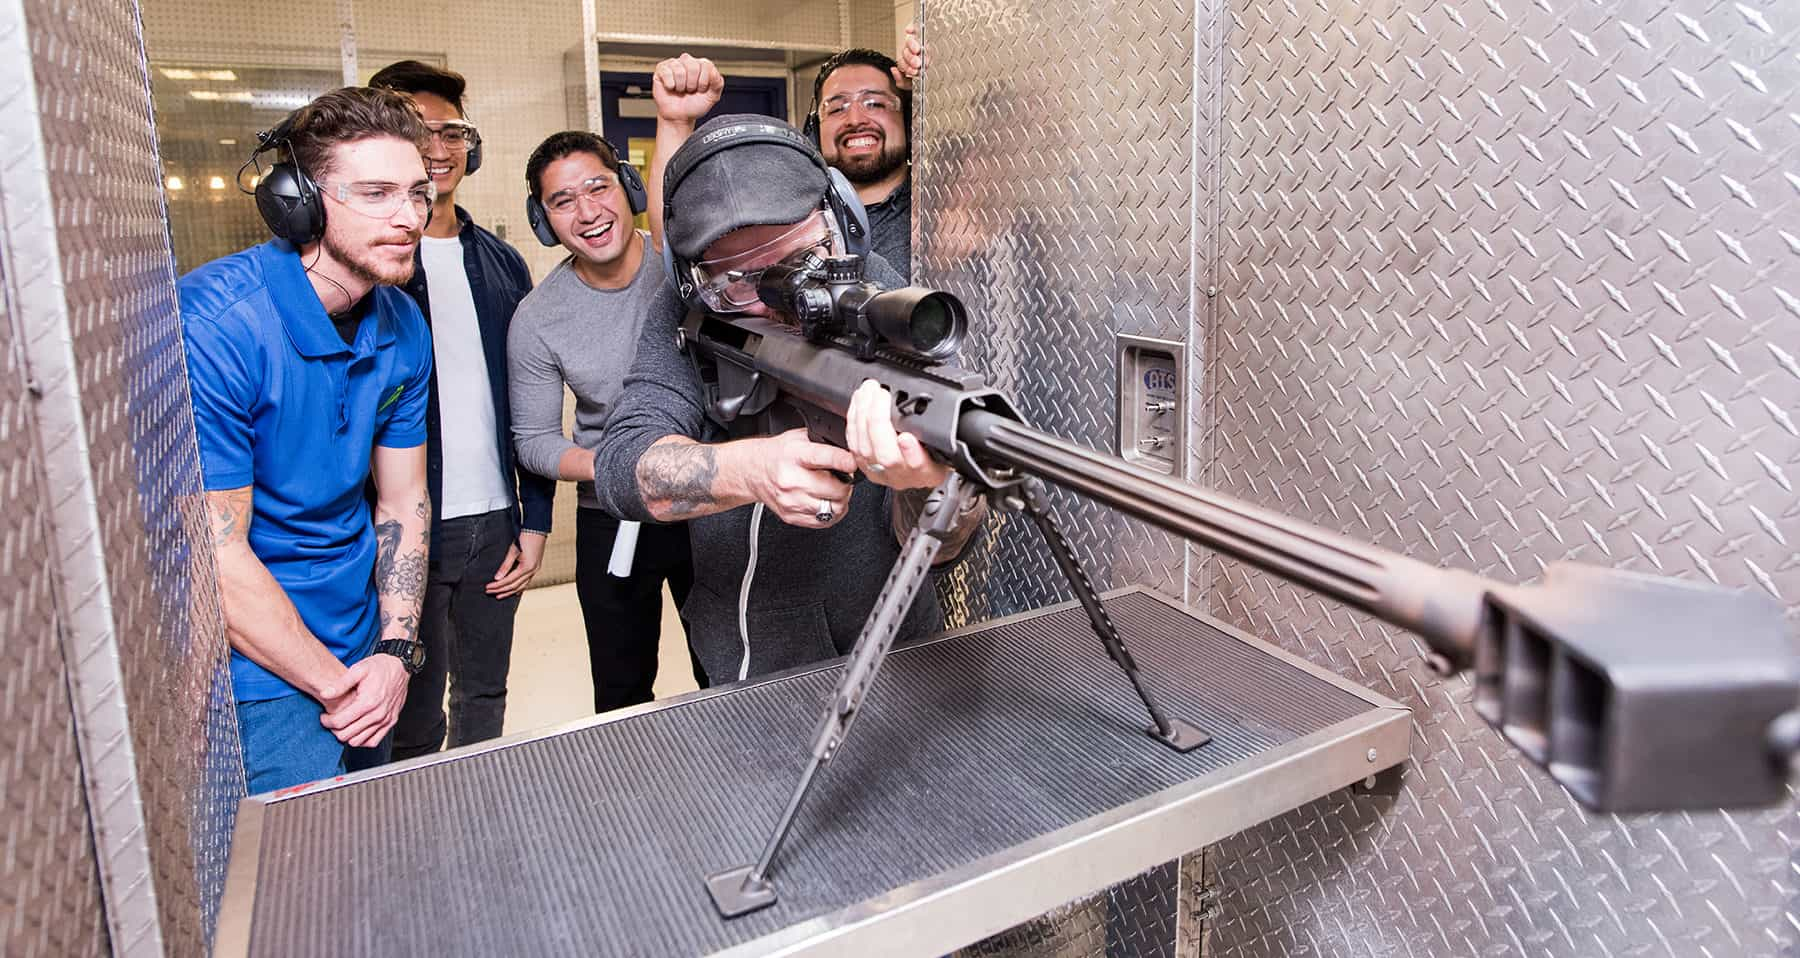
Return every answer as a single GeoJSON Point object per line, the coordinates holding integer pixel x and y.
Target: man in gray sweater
{"type": "Point", "coordinates": [743, 193]}
{"type": "Point", "coordinates": [579, 328]}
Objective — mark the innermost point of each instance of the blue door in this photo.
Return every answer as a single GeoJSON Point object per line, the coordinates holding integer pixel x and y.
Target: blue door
{"type": "Point", "coordinates": [764, 95]}
{"type": "Point", "coordinates": [628, 112]}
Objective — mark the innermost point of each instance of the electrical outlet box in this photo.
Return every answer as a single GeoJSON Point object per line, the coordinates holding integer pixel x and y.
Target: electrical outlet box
{"type": "Point", "coordinates": [1152, 408]}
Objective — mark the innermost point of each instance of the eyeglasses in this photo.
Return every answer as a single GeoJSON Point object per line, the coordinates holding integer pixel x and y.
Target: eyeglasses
{"type": "Point", "coordinates": [873, 102]}
{"type": "Point", "coordinates": [593, 188]}
{"type": "Point", "coordinates": [728, 283]}
{"type": "Point", "coordinates": [456, 135]}
{"type": "Point", "coordinates": [380, 200]}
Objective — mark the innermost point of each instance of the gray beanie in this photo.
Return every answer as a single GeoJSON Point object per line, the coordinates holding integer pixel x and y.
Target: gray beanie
{"type": "Point", "coordinates": [739, 170]}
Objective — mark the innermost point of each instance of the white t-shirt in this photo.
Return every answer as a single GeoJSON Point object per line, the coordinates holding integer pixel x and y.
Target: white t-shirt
{"type": "Point", "coordinates": [472, 481]}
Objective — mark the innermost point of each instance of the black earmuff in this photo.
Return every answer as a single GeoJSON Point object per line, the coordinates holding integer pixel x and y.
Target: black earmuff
{"type": "Point", "coordinates": [629, 180]}
{"type": "Point", "coordinates": [286, 197]}
{"type": "Point", "coordinates": [474, 156]}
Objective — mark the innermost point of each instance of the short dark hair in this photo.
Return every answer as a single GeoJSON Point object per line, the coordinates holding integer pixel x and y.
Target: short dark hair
{"type": "Point", "coordinates": [346, 115]}
{"type": "Point", "coordinates": [412, 76]}
{"type": "Point", "coordinates": [864, 57]}
{"type": "Point", "coordinates": [558, 145]}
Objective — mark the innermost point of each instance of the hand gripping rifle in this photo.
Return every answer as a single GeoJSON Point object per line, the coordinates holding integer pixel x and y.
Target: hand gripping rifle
{"type": "Point", "coordinates": [1636, 692]}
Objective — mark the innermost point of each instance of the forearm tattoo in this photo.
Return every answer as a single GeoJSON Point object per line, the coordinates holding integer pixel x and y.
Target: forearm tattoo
{"type": "Point", "coordinates": [678, 477]}
{"type": "Point", "coordinates": [400, 575]}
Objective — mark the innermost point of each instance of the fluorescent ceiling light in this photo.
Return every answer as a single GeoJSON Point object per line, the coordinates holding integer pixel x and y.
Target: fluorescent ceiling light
{"type": "Point", "coordinates": [183, 73]}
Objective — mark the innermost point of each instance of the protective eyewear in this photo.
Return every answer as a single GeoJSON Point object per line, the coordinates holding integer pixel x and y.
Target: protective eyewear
{"type": "Point", "coordinates": [456, 135]}
{"type": "Point", "coordinates": [728, 284]}
{"type": "Point", "coordinates": [379, 200]}
{"type": "Point", "coordinates": [873, 102]}
{"type": "Point", "coordinates": [593, 189]}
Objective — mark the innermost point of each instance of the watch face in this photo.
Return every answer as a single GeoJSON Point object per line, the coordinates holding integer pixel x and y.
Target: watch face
{"type": "Point", "coordinates": [417, 660]}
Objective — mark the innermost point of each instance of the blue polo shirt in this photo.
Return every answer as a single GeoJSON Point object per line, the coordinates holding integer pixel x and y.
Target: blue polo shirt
{"type": "Point", "coordinates": [281, 404]}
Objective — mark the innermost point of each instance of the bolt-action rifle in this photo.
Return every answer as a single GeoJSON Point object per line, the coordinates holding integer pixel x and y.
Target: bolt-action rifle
{"type": "Point", "coordinates": [1636, 692]}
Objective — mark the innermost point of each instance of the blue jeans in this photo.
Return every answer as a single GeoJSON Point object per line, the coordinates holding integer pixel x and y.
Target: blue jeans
{"type": "Point", "coordinates": [284, 744]}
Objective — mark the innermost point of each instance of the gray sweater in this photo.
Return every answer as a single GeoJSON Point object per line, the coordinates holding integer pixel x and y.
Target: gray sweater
{"type": "Point", "coordinates": [813, 587]}
{"type": "Point", "coordinates": [566, 331]}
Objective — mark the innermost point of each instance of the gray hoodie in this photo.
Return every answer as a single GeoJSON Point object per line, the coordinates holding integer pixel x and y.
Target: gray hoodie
{"type": "Point", "coordinates": [813, 588]}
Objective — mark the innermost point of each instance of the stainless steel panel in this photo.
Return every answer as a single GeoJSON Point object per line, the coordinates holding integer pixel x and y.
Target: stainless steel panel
{"type": "Point", "coordinates": [1054, 197]}
{"type": "Point", "coordinates": [115, 443]}
{"type": "Point", "coordinates": [1054, 183]}
{"type": "Point", "coordinates": [1037, 786]}
{"type": "Point", "coordinates": [1503, 283]}
{"type": "Point", "coordinates": [50, 891]}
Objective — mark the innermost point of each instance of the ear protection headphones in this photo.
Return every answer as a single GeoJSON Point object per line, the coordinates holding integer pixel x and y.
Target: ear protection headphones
{"type": "Point", "coordinates": [840, 196]}
{"type": "Point", "coordinates": [474, 155]}
{"type": "Point", "coordinates": [629, 180]}
{"type": "Point", "coordinates": [810, 128]}
{"type": "Point", "coordinates": [286, 196]}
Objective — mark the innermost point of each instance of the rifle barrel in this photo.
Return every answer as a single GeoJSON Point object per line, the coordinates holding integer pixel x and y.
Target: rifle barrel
{"type": "Point", "coordinates": [1444, 606]}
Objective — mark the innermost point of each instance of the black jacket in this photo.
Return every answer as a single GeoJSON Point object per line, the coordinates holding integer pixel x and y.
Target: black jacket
{"type": "Point", "coordinates": [498, 279]}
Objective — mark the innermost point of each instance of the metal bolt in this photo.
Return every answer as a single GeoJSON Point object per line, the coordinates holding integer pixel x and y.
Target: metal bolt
{"type": "Point", "coordinates": [1371, 755]}
{"type": "Point", "coordinates": [1369, 782]}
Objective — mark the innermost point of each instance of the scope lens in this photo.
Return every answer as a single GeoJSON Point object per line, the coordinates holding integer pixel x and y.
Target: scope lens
{"type": "Point", "coordinates": [926, 323]}
{"type": "Point", "coordinates": [930, 324]}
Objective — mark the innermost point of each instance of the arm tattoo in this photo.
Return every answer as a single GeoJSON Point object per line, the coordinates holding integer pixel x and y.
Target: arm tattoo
{"type": "Point", "coordinates": [228, 514]}
{"type": "Point", "coordinates": [397, 575]}
{"type": "Point", "coordinates": [679, 474]}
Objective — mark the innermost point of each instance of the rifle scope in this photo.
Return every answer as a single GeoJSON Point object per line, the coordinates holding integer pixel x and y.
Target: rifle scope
{"type": "Point", "coordinates": [828, 298]}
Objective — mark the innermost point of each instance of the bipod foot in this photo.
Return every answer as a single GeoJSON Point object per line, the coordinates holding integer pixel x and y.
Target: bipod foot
{"type": "Point", "coordinates": [740, 891]}
{"type": "Point", "coordinates": [1182, 736]}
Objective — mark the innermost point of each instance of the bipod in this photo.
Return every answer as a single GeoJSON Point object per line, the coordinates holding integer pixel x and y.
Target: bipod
{"type": "Point", "coordinates": [747, 888]}
{"type": "Point", "coordinates": [1178, 734]}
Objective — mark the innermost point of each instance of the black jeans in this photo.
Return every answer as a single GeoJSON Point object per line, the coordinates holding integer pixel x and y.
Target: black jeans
{"type": "Point", "coordinates": [624, 616]}
{"type": "Point", "coordinates": [468, 636]}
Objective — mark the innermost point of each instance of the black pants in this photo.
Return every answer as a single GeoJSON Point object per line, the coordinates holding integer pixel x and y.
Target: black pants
{"type": "Point", "coordinates": [624, 616]}
{"type": "Point", "coordinates": [468, 637]}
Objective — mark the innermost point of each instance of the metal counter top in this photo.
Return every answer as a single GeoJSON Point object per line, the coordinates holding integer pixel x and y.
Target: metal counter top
{"type": "Point", "coordinates": [996, 772]}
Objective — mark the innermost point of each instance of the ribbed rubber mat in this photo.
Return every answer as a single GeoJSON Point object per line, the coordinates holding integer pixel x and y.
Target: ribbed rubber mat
{"type": "Point", "coordinates": [596, 841]}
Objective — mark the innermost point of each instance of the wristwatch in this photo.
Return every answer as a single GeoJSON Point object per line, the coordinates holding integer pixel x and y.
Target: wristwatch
{"type": "Point", "coordinates": [411, 654]}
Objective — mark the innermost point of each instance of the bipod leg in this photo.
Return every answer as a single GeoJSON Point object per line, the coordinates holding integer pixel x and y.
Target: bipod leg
{"type": "Point", "coordinates": [1178, 734]}
{"type": "Point", "coordinates": [747, 888]}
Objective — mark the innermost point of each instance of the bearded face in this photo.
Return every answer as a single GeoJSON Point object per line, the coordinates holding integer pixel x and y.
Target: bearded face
{"type": "Point", "coordinates": [862, 130]}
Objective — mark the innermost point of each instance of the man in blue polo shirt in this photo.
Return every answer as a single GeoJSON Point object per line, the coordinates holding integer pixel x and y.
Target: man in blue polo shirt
{"type": "Point", "coordinates": [309, 374]}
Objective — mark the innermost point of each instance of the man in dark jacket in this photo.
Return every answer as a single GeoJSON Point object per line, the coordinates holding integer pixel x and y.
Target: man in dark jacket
{"type": "Point", "coordinates": [743, 193]}
{"type": "Point", "coordinates": [487, 538]}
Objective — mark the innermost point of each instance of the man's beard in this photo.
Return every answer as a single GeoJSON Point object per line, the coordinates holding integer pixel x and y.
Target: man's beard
{"type": "Point", "coordinates": [364, 265]}
{"type": "Point", "coordinates": [863, 170]}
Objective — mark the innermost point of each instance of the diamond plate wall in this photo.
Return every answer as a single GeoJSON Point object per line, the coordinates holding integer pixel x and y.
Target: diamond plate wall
{"type": "Point", "coordinates": [50, 895]}
{"type": "Point", "coordinates": [1056, 199]}
{"type": "Point", "coordinates": [1055, 196]}
{"type": "Point", "coordinates": [137, 615]}
{"type": "Point", "coordinates": [1505, 282]}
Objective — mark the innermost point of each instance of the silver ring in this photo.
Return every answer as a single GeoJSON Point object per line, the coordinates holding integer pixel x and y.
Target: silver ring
{"type": "Point", "coordinates": [876, 468]}
{"type": "Point", "coordinates": [824, 513]}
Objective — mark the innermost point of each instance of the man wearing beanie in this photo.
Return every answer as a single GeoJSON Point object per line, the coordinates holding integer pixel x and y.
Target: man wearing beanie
{"type": "Point", "coordinates": [743, 193]}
